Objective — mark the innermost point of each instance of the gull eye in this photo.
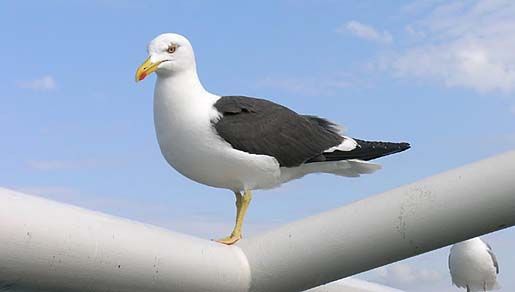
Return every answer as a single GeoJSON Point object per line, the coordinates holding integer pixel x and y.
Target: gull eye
{"type": "Point", "coordinates": [171, 48]}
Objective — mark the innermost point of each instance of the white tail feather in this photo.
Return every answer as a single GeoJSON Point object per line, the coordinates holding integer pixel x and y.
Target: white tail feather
{"type": "Point", "coordinates": [356, 168]}
{"type": "Point", "coordinates": [348, 168]}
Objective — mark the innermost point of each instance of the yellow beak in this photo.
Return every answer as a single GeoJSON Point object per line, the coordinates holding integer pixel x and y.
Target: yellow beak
{"type": "Point", "coordinates": [146, 69]}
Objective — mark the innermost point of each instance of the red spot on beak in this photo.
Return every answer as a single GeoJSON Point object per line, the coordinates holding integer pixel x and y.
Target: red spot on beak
{"type": "Point", "coordinates": [142, 76]}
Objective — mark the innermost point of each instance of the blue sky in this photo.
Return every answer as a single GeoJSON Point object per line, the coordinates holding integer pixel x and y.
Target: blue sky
{"type": "Point", "coordinates": [78, 129]}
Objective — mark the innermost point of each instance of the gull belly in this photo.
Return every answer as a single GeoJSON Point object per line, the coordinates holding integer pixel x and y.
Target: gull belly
{"type": "Point", "coordinates": [189, 143]}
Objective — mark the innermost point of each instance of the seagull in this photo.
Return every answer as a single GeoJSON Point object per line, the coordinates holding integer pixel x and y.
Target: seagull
{"type": "Point", "coordinates": [242, 143]}
{"type": "Point", "coordinates": [473, 265]}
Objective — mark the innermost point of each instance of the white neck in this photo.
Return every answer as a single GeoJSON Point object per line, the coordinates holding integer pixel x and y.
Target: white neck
{"type": "Point", "coordinates": [182, 96]}
{"type": "Point", "coordinates": [184, 84]}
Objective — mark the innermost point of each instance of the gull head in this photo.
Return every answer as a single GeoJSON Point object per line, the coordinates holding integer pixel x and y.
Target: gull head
{"type": "Point", "coordinates": [168, 54]}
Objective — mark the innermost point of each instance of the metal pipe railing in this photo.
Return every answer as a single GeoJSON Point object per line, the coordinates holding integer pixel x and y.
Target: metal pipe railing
{"type": "Point", "coordinates": [49, 246]}
{"type": "Point", "coordinates": [450, 207]}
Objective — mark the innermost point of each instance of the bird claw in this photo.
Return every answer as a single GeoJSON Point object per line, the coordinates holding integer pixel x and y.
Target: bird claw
{"type": "Point", "coordinates": [229, 240]}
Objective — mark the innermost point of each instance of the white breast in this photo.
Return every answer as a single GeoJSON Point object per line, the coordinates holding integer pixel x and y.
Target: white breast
{"type": "Point", "coordinates": [188, 142]}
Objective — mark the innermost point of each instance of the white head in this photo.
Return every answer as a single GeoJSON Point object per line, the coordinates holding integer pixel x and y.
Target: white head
{"type": "Point", "coordinates": [169, 54]}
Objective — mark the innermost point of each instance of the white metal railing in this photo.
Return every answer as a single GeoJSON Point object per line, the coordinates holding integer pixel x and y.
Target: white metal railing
{"type": "Point", "coordinates": [50, 246]}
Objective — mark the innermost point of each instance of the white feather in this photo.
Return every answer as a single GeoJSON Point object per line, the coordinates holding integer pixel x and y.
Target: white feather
{"type": "Point", "coordinates": [348, 168]}
{"type": "Point", "coordinates": [348, 144]}
{"type": "Point", "coordinates": [471, 265]}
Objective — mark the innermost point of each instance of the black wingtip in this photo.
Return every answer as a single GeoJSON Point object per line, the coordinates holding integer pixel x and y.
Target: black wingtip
{"type": "Point", "coordinates": [368, 150]}
{"type": "Point", "coordinates": [375, 149]}
{"type": "Point", "coordinates": [404, 146]}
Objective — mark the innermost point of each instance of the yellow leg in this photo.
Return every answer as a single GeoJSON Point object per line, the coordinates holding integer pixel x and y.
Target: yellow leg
{"type": "Point", "coordinates": [242, 204]}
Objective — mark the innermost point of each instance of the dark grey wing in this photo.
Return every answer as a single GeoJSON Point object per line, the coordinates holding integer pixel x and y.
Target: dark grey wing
{"type": "Point", "coordinates": [260, 126]}
{"type": "Point", "coordinates": [494, 258]}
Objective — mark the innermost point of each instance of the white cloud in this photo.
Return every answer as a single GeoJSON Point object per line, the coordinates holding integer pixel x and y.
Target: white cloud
{"type": "Point", "coordinates": [45, 191]}
{"type": "Point", "coordinates": [354, 284]}
{"type": "Point", "coordinates": [414, 32]}
{"type": "Point", "coordinates": [48, 165]}
{"type": "Point", "coordinates": [44, 83]}
{"type": "Point", "coordinates": [58, 193]}
{"type": "Point", "coordinates": [466, 44]}
{"type": "Point", "coordinates": [366, 32]}
{"type": "Point", "coordinates": [405, 275]}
